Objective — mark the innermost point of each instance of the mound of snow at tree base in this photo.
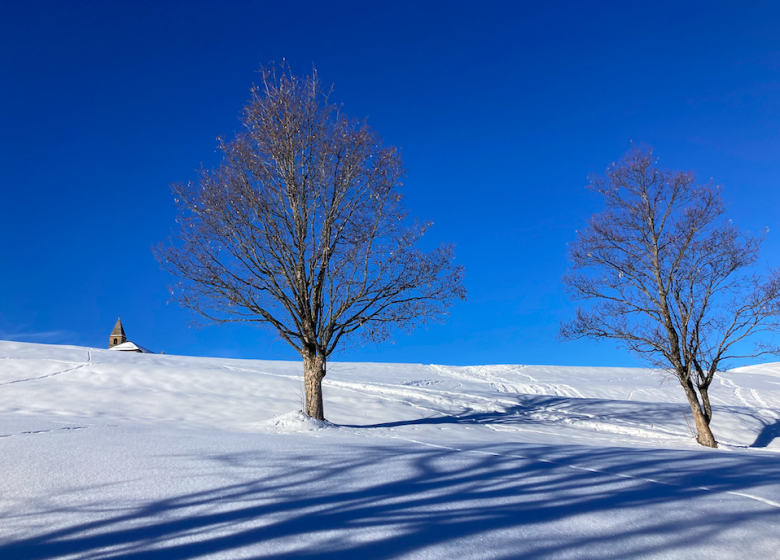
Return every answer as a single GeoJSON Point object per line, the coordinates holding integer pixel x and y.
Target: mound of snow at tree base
{"type": "Point", "coordinates": [294, 422]}
{"type": "Point", "coordinates": [111, 455]}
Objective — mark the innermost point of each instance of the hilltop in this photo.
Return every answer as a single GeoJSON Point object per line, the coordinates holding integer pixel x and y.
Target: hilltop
{"type": "Point", "coordinates": [107, 454]}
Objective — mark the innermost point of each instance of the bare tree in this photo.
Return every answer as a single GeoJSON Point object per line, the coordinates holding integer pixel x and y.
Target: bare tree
{"type": "Point", "coordinates": [664, 270]}
{"type": "Point", "coordinates": [301, 229]}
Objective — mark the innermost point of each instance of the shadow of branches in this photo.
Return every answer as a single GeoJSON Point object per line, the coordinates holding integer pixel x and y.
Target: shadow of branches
{"type": "Point", "coordinates": [331, 498]}
{"type": "Point", "coordinates": [767, 435]}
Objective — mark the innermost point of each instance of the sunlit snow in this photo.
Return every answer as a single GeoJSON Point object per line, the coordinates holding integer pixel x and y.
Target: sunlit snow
{"type": "Point", "coordinates": [123, 455]}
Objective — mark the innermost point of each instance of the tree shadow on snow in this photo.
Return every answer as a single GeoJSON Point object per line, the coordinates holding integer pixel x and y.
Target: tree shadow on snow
{"type": "Point", "coordinates": [767, 435]}
{"type": "Point", "coordinates": [386, 501]}
{"type": "Point", "coordinates": [627, 417]}
{"type": "Point", "coordinates": [540, 409]}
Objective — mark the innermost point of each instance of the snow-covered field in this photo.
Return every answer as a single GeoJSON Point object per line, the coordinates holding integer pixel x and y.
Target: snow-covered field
{"type": "Point", "coordinates": [112, 455]}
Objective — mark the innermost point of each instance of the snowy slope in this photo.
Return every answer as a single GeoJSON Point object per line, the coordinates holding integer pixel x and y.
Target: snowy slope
{"type": "Point", "coordinates": [115, 455]}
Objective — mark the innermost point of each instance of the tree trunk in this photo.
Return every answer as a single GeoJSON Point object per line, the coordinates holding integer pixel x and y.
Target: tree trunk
{"type": "Point", "coordinates": [703, 432]}
{"type": "Point", "coordinates": [313, 372]}
{"type": "Point", "coordinates": [705, 400]}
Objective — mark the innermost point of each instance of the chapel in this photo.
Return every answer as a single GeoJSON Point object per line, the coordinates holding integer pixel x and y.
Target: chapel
{"type": "Point", "coordinates": [118, 341]}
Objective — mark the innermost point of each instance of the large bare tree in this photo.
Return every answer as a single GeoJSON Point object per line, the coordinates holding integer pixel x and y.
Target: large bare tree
{"type": "Point", "coordinates": [667, 275]}
{"type": "Point", "coordinates": [301, 229]}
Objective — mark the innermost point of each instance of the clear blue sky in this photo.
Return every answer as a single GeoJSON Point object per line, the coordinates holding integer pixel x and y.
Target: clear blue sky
{"type": "Point", "coordinates": [501, 110]}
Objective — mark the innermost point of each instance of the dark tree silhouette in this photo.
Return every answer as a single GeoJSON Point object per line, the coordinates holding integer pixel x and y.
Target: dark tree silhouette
{"type": "Point", "coordinates": [664, 270]}
{"type": "Point", "coordinates": [301, 229]}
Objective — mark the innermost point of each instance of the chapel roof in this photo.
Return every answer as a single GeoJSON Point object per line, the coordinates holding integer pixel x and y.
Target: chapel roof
{"type": "Point", "coordinates": [118, 330]}
{"type": "Point", "coordinates": [131, 347]}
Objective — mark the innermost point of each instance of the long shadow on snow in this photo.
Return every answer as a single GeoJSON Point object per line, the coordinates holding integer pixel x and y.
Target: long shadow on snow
{"type": "Point", "coordinates": [532, 409]}
{"type": "Point", "coordinates": [767, 434]}
{"type": "Point", "coordinates": [382, 502]}
{"type": "Point", "coordinates": [538, 410]}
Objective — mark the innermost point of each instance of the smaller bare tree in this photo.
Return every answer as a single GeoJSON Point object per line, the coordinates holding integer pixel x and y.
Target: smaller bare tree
{"type": "Point", "coordinates": [301, 229]}
{"type": "Point", "coordinates": [666, 273]}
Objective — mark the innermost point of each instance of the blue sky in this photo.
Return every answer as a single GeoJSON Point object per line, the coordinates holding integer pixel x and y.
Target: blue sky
{"type": "Point", "coordinates": [502, 109]}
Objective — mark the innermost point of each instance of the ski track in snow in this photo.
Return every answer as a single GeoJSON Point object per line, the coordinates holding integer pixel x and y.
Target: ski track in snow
{"type": "Point", "coordinates": [757, 397]}
{"type": "Point", "coordinates": [457, 404]}
{"type": "Point", "coordinates": [760, 405]}
{"type": "Point", "coordinates": [476, 403]}
{"type": "Point", "coordinates": [420, 393]}
{"type": "Point", "coordinates": [35, 432]}
{"type": "Point", "coordinates": [434, 396]}
{"type": "Point", "coordinates": [382, 389]}
{"type": "Point", "coordinates": [45, 376]}
{"type": "Point", "coordinates": [486, 374]}
{"type": "Point", "coordinates": [87, 363]}
{"type": "Point", "coordinates": [548, 414]}
{"type": "Point", "coordinates": [501, 412]}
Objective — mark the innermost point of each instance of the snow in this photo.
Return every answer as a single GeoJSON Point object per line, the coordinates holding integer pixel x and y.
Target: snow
{"type": "Point", "coordinates": [293, 422]}
{"type": "Point", "coordinates": [130, 347]}
{"type": "Point", "coordinates": [124, 455]}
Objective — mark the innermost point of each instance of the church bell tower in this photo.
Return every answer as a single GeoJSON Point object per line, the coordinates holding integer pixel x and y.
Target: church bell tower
{"type": "Point", "coordinates": [117, 335]}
